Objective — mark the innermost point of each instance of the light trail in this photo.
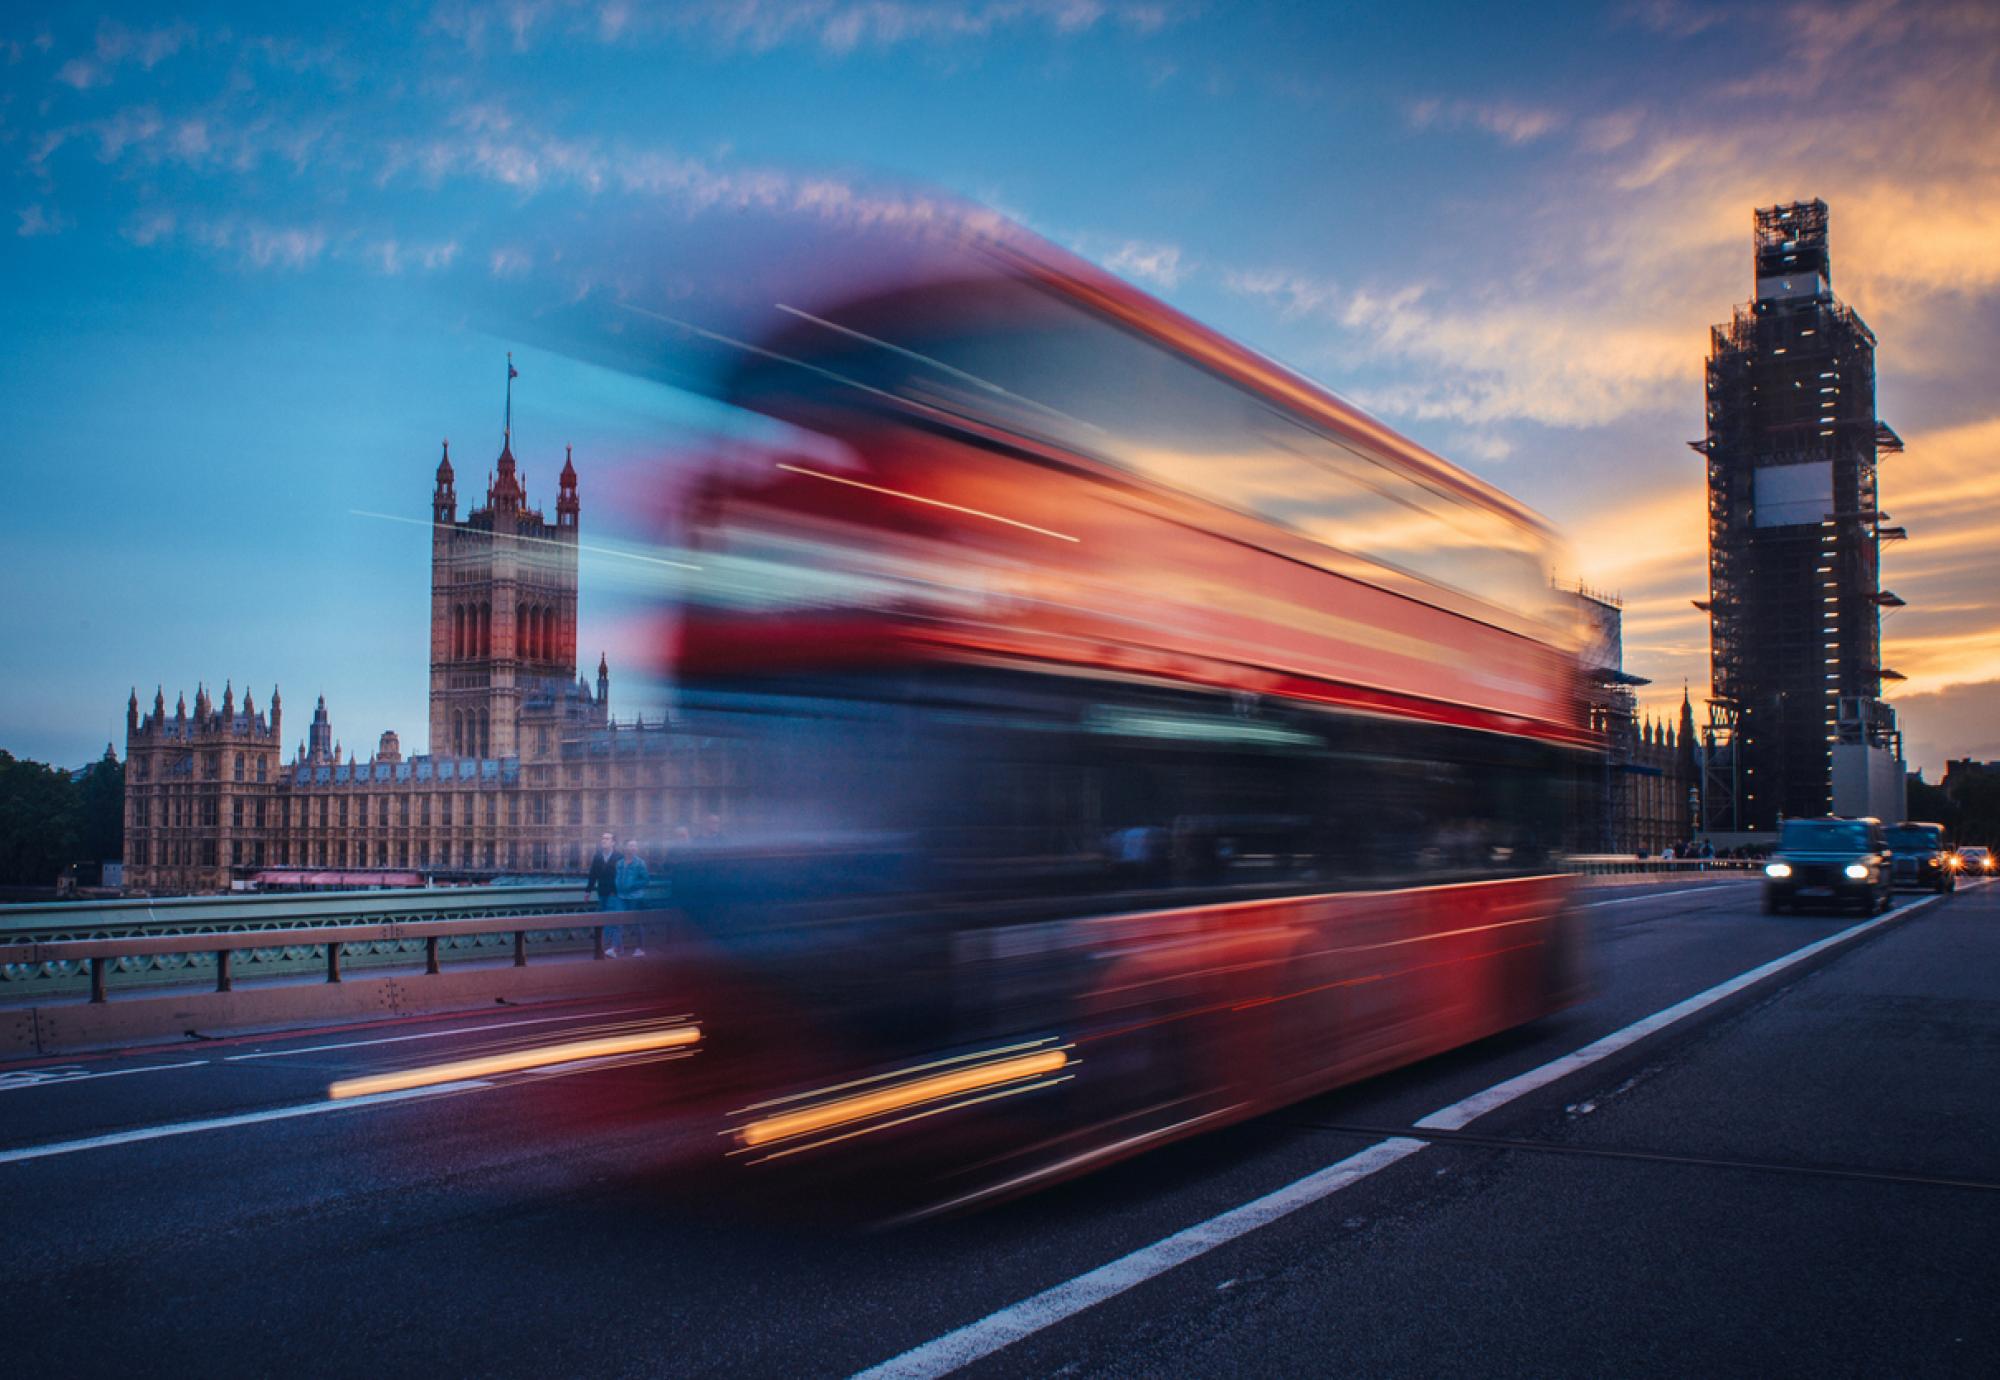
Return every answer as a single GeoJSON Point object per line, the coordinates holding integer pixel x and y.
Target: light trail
{"type": "Point", "coordinates": [846, 1110]}
{"type": "Point", "coordinates": [515, 1061]}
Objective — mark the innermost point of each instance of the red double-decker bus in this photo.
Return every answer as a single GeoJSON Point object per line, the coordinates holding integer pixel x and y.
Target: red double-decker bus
{"type": "Point", "coordinates": [1131, 735]}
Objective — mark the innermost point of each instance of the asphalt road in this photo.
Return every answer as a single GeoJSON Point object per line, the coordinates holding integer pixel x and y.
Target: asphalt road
{"type": "Point", "coordinates": [1799, 1177]}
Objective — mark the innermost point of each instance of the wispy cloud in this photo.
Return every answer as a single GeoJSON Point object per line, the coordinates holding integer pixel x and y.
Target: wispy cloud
{"type": "Point", "coordinates": [1506, 120]}
{"type": "Point", "coordinates": [243, 241]}
{"type": "Point", "coordinates": [393, 257]}
{"type": "Point", "coordinates": [1162, 265]}
{"type": "Point", "coordinates": [118, 45]}
{"type": "Point", "coordinates": [39, 220]}
{"type": "Point", "coordinates": [836, 27]}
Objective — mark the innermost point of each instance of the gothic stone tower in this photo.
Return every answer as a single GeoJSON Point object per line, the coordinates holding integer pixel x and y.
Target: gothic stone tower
{"type": "Point", "coordinates": [503, 609]}
{"type": "Point", "coordinates": [200, 790]}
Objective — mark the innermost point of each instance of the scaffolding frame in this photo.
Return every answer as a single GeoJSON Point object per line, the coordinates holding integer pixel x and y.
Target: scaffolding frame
{"type": "Point", "coordinates": [1794, 590]}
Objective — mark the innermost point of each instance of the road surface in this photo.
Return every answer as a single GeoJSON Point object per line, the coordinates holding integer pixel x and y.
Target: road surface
{"type": "Point", "coordinates": [1792, 1175]}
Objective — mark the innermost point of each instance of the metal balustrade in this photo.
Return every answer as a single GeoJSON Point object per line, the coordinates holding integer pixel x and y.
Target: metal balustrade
{"type": "Point", "coordinates": [146, 944]}
{"type": "Point", "coordinates": [1624, 864]}
{"type": "Point", "coordinates": [332, 950]}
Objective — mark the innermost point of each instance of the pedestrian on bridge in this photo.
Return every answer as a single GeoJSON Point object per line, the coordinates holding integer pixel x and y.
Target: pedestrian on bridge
{"type": "Point", "coordinates": [633, 879]}
{"type": "Point", "coordinates": [603, 884]}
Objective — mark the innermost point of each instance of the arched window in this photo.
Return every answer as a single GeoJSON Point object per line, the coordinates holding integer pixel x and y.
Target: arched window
{"type": "Point", "coordinates": [521, 632]}
{"type": "Point", "coordinates": [457, 632]}
{"type": "Point", "coordinates": [542, 648]}
{"type": "Point", "coordinates": [486, 630]}
{"type": "Point", "coordinates": [457, 733]}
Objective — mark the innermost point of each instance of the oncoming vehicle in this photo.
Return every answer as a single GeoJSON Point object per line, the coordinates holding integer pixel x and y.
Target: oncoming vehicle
{"type": "Point", "coordinates": [1977, 860]}
{"type": "Point", "coordinates": [1131, 736]}
{"type": "Point", "coordinates": [1830, 862]}
{"type": "Point", "coordinates": [1923, 857]}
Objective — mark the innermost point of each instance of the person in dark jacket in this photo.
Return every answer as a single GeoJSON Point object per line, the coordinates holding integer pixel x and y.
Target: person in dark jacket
{"type": "Point", "coordinates": [603, 884]}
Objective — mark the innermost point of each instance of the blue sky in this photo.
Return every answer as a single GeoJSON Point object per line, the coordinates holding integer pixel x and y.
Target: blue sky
{"type": "Point", "coordinates": [256, 265]}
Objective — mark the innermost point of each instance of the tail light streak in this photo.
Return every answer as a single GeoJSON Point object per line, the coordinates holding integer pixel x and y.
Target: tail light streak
{"type": "Point", "coordinates": [526, 1060]}
{"type": "Point", "coordinates": [995, 1074]}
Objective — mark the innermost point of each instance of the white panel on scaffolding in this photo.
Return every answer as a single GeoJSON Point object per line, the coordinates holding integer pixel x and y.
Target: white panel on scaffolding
{"type": "Point", "coordinates": [1793, 495]}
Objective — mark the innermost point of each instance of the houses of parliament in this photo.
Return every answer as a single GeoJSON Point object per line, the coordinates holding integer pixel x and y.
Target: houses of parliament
{"type": "Point", "coordinates": [526, 764]}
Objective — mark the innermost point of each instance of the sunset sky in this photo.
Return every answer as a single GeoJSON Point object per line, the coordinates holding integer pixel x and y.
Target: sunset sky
{"type": "Point", "coordinates": [250, 264]}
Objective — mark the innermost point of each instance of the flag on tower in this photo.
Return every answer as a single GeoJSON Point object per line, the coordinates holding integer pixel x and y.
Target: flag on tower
{"type": "Point", "coordinates": [512, 372]}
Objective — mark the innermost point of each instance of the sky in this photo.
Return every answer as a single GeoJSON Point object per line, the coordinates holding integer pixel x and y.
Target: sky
{"type": "Point", "coordinates": [256, 267]}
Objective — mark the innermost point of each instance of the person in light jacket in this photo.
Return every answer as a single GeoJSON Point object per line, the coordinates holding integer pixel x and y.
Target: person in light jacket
{"type": "Point", "coordinates": [632, 881]}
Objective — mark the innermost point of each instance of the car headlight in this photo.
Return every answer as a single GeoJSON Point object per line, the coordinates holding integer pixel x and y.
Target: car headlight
{"type": "Point", "coordinates": [1858, 871]}
{"type": "Point", "coordinates": [1777, 869]}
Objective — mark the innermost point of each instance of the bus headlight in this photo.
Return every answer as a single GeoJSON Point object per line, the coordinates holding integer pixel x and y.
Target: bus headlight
{"type": "Point", "coordinates": [1858, 871]}
{"type": "Point", "coordinates": [1777, 869]}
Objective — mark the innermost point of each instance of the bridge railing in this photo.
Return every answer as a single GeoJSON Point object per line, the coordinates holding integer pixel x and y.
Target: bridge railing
{"type": "Point", "coordinates": [1625, 864]}
{"type": "Point", "coordinates": [141, 944]}
{"type": "Point", "coordinates": [333, 949]}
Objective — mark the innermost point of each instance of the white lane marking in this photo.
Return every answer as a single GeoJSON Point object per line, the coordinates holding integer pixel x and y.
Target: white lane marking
{"type": "Point", "coordinates": [433, 1034]}
{"type": "Point", "coordinates": [1462, 1112]}
{"type": "Point", "coordinates": [980, 1339]}
{"type": "Point", "coordinates": [74, 1073]}
{"type": "Point", "coordinates": [961, 1348]}
{"type": "Point", "coordinates": [1662, 895]}
{"type": "Point", "coordinates": [222, 1123]}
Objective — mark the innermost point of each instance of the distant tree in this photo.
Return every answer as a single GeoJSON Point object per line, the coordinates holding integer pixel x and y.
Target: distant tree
{"type": "Point", "coordinates": [1978, 803]}
{"type": "Point", "coordinates": [101, 810]}
{"type": "Point", "coordinates": [39, 825]}
{"type": "Point", "coordinates": [1929, 802]}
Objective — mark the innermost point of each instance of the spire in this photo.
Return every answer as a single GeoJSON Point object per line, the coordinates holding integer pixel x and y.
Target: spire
{"type": "Point", "coordinates": [132, 713]}
{"type": "Point", "coordinates": [277, 710]}
{"type": "Point", "coordinates": [444, 498]}
{"type": "Point", "coordinates": [229, 700]}
{"type": "Point", "coordinates": [181, 706]}
{"type": "Point", "coordinates": [566, 503]}
{"type": "Point", "coordinates": [505, 494]}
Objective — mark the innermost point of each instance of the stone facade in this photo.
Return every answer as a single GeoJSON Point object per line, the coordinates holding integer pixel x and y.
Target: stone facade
{"type": "Point", "coordinates": [1637, 797]}
{"type": "Point", "coordinates": [526, 766]}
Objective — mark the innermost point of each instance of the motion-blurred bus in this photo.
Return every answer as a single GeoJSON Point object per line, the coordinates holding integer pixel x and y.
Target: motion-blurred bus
{"type": "Point", "coordinates": [1130, 735]}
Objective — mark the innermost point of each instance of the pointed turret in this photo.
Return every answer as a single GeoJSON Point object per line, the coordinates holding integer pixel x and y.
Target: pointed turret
{"type": "Point", "coordinates": [181, 707]}
{"type": "Point", "coordinates": [505, 494]}
{"type": "Point", "coordinates": [132, 714]}
{"type": "Point", "coordinates": [603, 684]}
{"type": "Point", "coordinates": [319, 736]}
{"type": "Point", "coordinates": [277, 716]}
{"type": "Point", "coordinates": [229, 702]}
{"type": "Point", "coordinates": [566, 500]}
{"type": "Point", "coordinates": [444, 499]}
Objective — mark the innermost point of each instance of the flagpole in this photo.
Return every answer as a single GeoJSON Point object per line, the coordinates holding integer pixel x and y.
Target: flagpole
{"type": "Point", "coordinates": [510, 394]}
